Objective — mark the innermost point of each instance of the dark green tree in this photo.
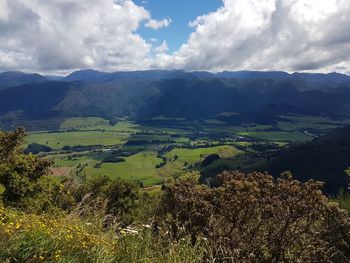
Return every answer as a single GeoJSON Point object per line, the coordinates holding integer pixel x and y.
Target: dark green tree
{"type": "Point", "coordinates": [23, 178]}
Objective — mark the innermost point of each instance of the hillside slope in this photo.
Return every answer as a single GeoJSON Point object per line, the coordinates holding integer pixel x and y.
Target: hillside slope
{"type": "Point", "coordinates": [15, 78]}
{"type": "Point", "coordinates": [324, 159]}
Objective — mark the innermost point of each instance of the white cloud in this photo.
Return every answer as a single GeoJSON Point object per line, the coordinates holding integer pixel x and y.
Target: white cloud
{"type": "Point", "coordinates": [59, 35]}
{"type": "Point", "coordinates": [4, 10]}
{"type": "Point", "coordinates": [153, 40]}
{"type": "Point", "coordinates": [66, 34]}
{"type": "Point", "coordinates": [269, 34]}
{"type": "Point", "coordinates": [162, 48]}
{"type": "Point", "coordinates": [157, 24]}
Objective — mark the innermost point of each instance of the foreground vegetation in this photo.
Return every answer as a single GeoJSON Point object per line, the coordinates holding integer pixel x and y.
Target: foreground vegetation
{"type": "Point", "coordinates": [44, 238]}
{"type": "Point", "coordinates": [245, 218]}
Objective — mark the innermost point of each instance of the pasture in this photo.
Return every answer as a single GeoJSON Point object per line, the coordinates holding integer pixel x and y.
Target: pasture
{"type": "Point", "coordinates": [183, 146]}
{"type": "Point", "coordinates": [181, 159]}
{"type": "Point", "coordinates": [278, 136]}
{"type": "Point", "coordinates": [57, 140]}
{"type": "Point", "coordinates": [140, 167]}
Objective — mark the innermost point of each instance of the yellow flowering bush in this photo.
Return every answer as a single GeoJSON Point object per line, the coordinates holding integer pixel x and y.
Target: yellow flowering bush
{"type": "Point", "coordinates": [42, 220]}
{"type": "Point", "coordinates": [46, 238]}
{"type": "Point", "coordinates": [27, 237]}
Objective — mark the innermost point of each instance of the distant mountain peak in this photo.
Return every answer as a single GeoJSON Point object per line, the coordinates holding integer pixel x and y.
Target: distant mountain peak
{"type": "Point", "coordinates": [15, 78]}
{"type": "Point", "coordinates": [84, 75]}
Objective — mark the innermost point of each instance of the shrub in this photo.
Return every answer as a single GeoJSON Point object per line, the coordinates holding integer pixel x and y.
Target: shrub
{"type": "Point", "coordinates": [113, 159]}
{"type": "Point", "coordinates": [121, 198]}
{"type": "Point", "coordinates": [36, 148]}
{"type": "Point", "coordinates": [255, 218]}
{"type": "Point", "coordinates": [23, 177]}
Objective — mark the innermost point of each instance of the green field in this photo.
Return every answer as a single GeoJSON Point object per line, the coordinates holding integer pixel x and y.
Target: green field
{"type": "Point", "coordinates": [59, 139]}
{"type": "Point", "coordinates": [302, 122]}
{"type": "Point", "coordinates": [66, 160]}
{"type": "Point", "coordinates": [194, 155]}
{"type": "Point", "coordinates": [168, 130]}
{"type": "Point", "coordinates": [141, 166]}
{"type": "Point", "coordinates": [83, 123]}
{"type": "Point", "coordinates": [189, 157]}
{"type": "Point", "coordinates": [278, 136]}
{"type": "Point", "coordinates": [183, 146]}
{"type": "Point", "coordinates": [85, 131]}
{"type": "Point", "coordinates": [95, 124]}
{"type": "Point", "coordinates": [233, 130]}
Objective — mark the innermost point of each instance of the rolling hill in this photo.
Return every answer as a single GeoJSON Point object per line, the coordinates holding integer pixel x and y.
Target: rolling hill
{"type": "Point", "coordinates": [324, 159]}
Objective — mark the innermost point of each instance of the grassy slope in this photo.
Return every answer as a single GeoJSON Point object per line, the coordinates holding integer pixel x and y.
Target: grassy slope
{"type": "Point", "coordinates": [192, 156]}
{"type": "Point", "coordinates": [141, 166]}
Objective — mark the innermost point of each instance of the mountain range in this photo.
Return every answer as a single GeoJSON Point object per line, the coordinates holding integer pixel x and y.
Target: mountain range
{"type": "Point", "coordinates": [16, 78]}
{"type": "Point", "coordinates": [329, 79]}
{"type": "Point", "coordinates": [40, 102]}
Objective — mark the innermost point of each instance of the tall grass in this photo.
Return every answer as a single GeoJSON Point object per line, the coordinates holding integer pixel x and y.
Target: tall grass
{"type": "Point", "coordinates": [343, 198]}
{"type": "Point", "coordinates": [44, 238]}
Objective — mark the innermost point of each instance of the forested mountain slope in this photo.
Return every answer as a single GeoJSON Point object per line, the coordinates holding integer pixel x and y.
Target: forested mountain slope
{"type": "Point", "coordinates": [142, 95]}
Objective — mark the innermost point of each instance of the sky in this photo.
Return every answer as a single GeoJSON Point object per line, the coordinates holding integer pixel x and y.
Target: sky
{"type": "Point", "coordinates": [180, 13]}
{"type": "Point", "coordinates": [60, 36]}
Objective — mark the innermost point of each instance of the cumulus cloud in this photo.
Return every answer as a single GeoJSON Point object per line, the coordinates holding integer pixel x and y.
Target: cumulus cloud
{"type": "Point", "coordinates": [4, 11]}
{"type": "Point", "coordinates": [292, 35]}
{"type": "Point", "coordinates": [67, 34]}
{"type": "Point", "coordinates": [162, 48]}
{"type": "Point", "coordinates": [269, 34]}
{"type": "Point", "coordinates": [157, 24]}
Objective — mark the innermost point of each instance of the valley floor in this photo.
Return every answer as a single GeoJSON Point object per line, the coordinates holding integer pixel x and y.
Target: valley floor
{"type": "Point", "coordinates": [153, 152]}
